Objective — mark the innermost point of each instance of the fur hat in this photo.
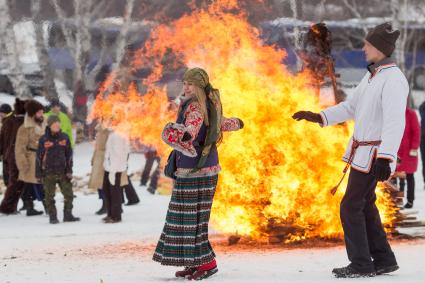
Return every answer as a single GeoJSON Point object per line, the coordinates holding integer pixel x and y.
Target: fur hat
{"type": "Point", "coordinates": [383, 38]}
{"type": "Point", "coordinates": [5, 108]}
{"type": "Point", "coordinates": [19, 106]}
{"type": "Point", "coordinates": [32, 107]}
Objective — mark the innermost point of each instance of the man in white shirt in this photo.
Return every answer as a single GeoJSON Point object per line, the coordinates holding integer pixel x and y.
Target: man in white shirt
{"type": "Point", "coordinates": [378, 107]}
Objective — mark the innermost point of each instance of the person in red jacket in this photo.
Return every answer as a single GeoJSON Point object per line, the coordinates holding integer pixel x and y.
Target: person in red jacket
{"type": "Point", "coordinates": [408, 154]}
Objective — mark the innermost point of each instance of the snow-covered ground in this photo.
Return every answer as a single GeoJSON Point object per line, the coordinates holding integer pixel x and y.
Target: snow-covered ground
{"type": "Point", "coordinates": [31, 250]}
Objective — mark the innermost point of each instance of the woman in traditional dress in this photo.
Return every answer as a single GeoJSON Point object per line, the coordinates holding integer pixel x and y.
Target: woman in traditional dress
{"type": "Point", "coordinates": [194, 138]}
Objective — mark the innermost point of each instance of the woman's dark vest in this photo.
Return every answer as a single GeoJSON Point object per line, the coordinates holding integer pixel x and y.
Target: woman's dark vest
{"type": "Point", "coordinates": [192, 162]}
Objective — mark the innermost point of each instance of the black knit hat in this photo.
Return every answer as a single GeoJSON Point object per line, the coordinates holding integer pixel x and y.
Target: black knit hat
{"type": "Point", "coordinates": [55, 102]}
{"type": "Point", "coordinates": [52, 119]}
{"type": "Point", "coordinates": [5, 108]}
{"type": "Point", "coordinates": [383, 38]}
{"type": "Point", "coordinates": [32, 107]}
{"type": "Point", "coordinates": [19, 107]}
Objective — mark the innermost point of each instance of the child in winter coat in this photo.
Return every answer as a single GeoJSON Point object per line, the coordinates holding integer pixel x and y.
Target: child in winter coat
{"type": "Point", "coordinates": [54, 166]}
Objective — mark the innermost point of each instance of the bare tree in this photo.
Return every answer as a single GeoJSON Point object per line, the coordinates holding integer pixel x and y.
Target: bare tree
{"type": "Point", "coordinates": [77, 32]}
{"type": "Point", "coordinates": [297, 31]}
{"type": "Point", "coordinates": [396, 12]}
{"type": "Point", "coordinates": [42, 53]}
{"type": "Point", "coordinates": [117, 68]}
{"type": "Point", "coordinates": [8, 40]}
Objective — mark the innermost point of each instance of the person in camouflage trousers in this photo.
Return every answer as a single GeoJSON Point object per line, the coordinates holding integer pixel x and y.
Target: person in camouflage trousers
{"type": "Point", "coordinates": [54, 166]}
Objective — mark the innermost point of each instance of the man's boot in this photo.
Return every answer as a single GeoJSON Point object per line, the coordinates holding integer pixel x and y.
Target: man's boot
{"type": "Point", "coordinates": [24, 206]}
{"type": "Point", "coordinates": [408, 205]}
{"type": "Point", "coordinates": [102, 210]}
{"type": "Point", "coordinates": [350, 272]}
{"type": "Point", "coordinates": [30, 208]}
{"type": "Point", "coordinates": [68, 217]}
{"type": "Point", "coordinates": [53, 216]}
{"type": "Point", "coordinates": [151, 190]}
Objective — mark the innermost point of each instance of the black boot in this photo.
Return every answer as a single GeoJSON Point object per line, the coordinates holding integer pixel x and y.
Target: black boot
{"type": "Point", "coordinates": [350, 272]}
{"type": "Point", "coordinates": [151, 190]}
{"type": "Point", "coordinates": [131, 194]}
{"type": "Point", "coordinates": [102, 210]}
{"type": "Point", "coordinates": [386, 269]}
{"type": "Point", "coordinates": [24, 206]}
{"type": "Point", "coordinates": [53, 217]}
{"type": "Point", "coordinates": [68, 217]}
{"type": "Point", "coordinates": [408, 205]}
{"type": "Point", "coordinates": [30, 209]}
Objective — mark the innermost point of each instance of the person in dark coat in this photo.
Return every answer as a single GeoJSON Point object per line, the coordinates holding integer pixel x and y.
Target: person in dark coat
{"type": "Point", "coordinates": [5, 112]}
{"type": "Point", "coordinates": [54, 166]}
{"type": "Point", "coordinates": [408, 154]}
{"type": "Point", "coordinates": [7, 145]}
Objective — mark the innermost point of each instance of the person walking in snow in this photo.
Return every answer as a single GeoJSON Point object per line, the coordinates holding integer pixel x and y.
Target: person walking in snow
{"type": "Point", "coordinates": [54, 166]}
{"type": "Point", "coordinates": [26, 147]}
{"type": "Point", "coordinates": [194, 137]}
{"type": "Point", "coordinates": [377, 107]}
{"type": "Point", "coordinates": [7, 146]}
{"type": "Point", "coordinates": [408, 155]}
{"type": "Point", "coordinates": [115, 166]}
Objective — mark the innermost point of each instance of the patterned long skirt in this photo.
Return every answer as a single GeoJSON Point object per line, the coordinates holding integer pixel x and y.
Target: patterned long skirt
{"type": "Point", "coordinates": [184, 239]}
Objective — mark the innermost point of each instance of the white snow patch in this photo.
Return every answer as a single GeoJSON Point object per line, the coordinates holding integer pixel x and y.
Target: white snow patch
{"type": "Point", "coordinates": [31, 250]}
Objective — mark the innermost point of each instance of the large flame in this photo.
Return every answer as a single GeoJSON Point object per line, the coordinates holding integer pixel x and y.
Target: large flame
{"type": "Point", "coordinates": [276, 172]}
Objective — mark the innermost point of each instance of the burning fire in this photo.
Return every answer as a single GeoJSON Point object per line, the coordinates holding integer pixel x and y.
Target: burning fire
{"type": "Point", "coordinates": [137, 116]}
{"type": "Point", "coordinates": [276, 172]}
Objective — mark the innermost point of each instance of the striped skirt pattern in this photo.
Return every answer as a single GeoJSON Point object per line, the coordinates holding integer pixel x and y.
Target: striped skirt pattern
{"type": "Point", "coordinates": [184, 239]}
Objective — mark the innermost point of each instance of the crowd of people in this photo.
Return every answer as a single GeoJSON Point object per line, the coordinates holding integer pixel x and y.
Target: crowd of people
{"type": "Point", "coordinates": [37, 152]}
{"type": "Point", "coordinates": [36, 148]}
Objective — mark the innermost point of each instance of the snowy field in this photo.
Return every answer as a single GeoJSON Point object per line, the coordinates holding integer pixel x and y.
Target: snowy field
{"type": "Point", "coordinates": [31, 250]}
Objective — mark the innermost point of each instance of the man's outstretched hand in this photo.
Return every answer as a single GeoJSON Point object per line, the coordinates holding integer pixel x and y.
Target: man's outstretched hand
{"type": "Point", "coordinates": [308, 116]}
